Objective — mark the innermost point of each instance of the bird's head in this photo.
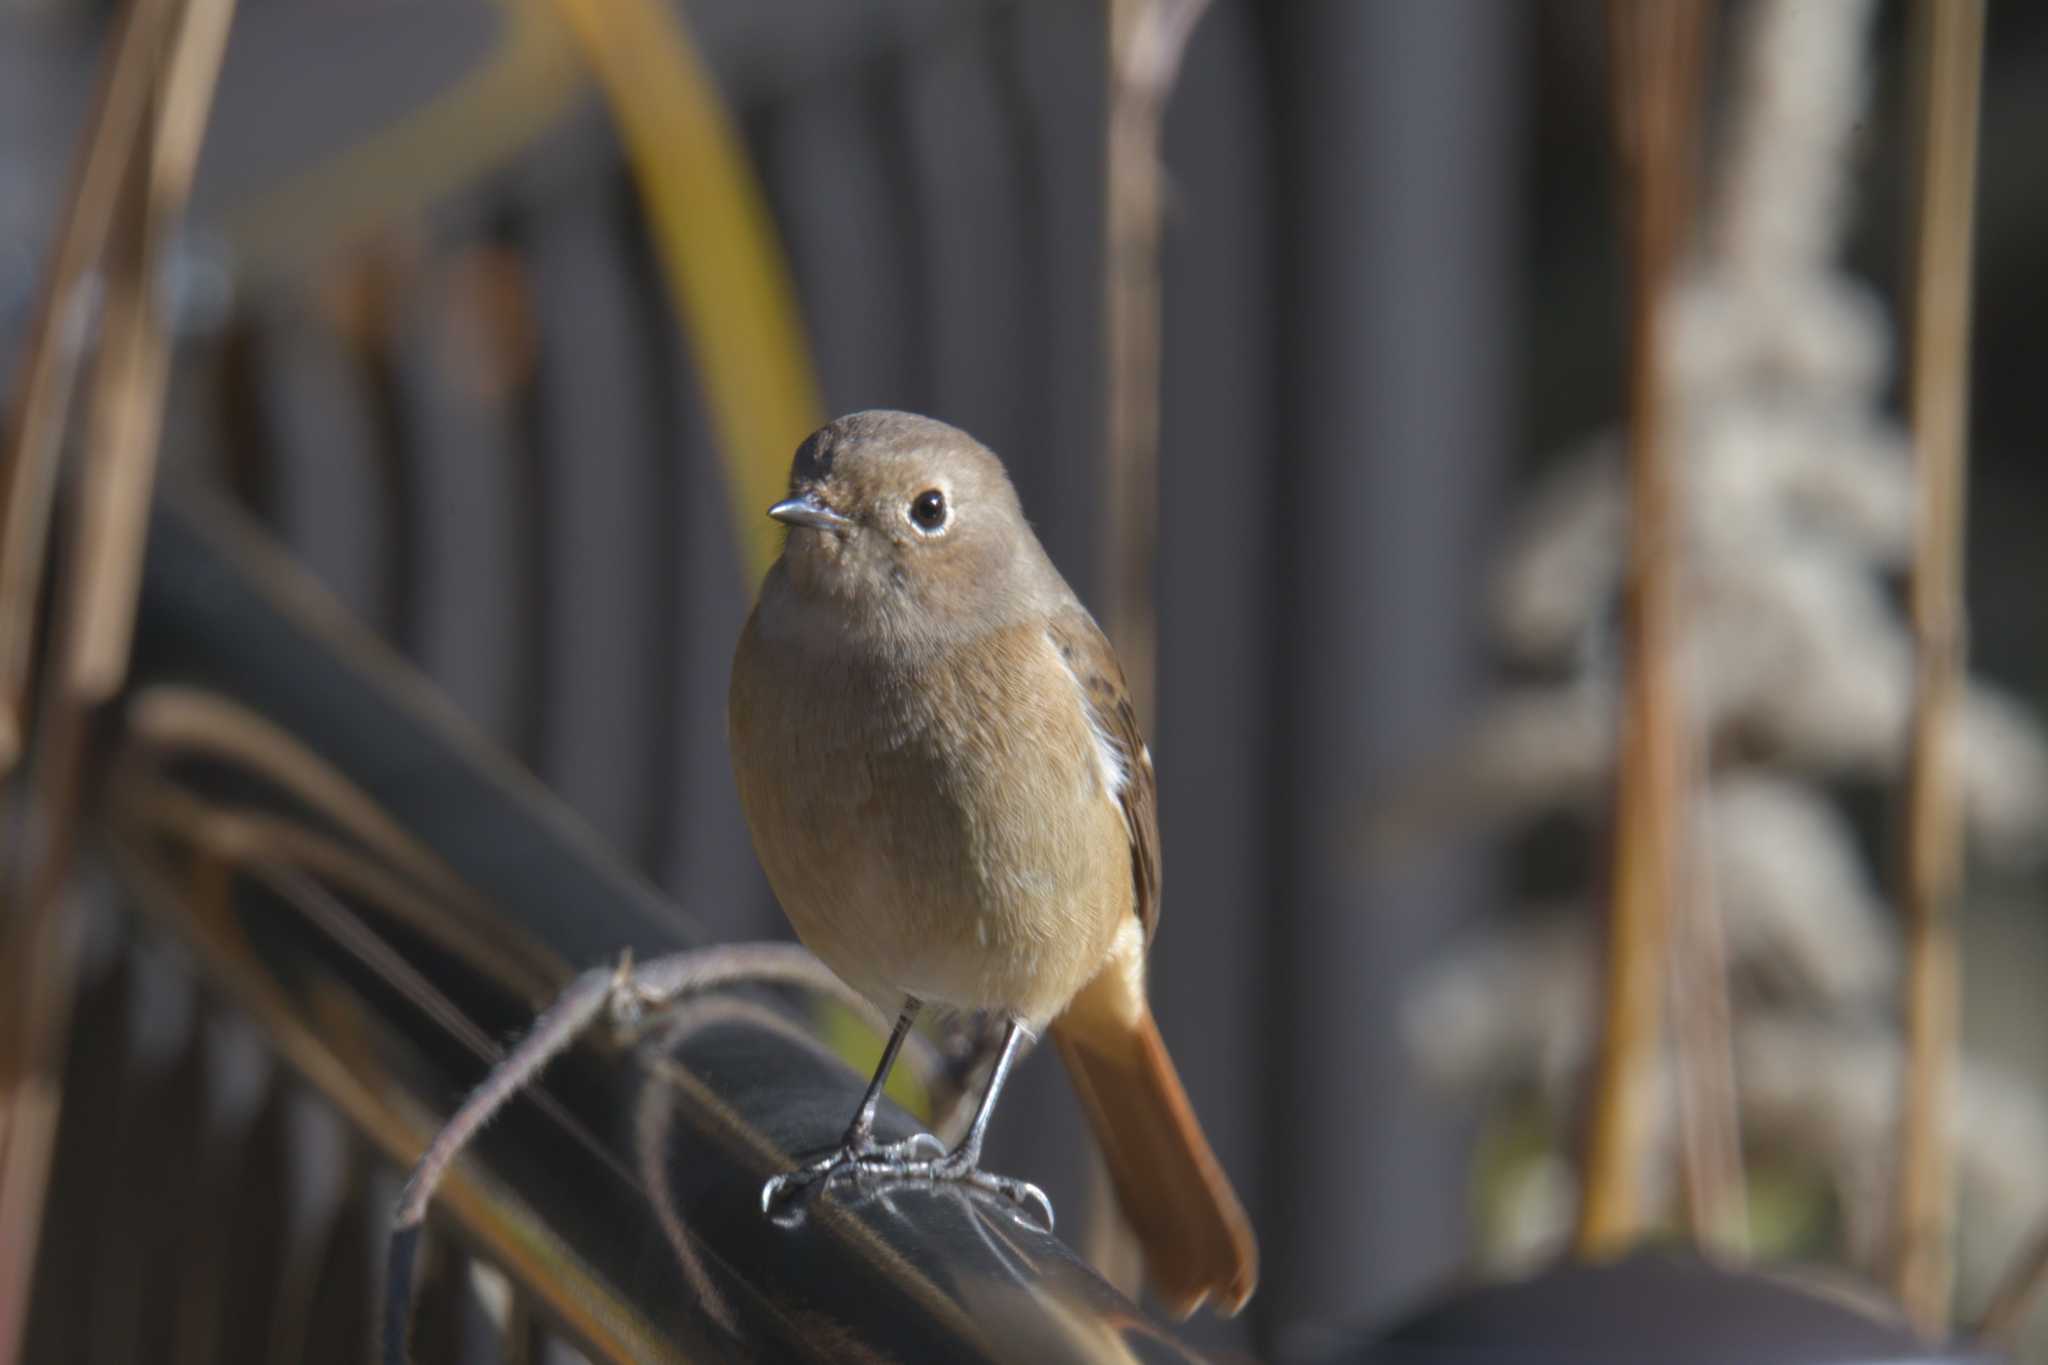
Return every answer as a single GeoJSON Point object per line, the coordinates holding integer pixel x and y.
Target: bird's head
{"type": "Point", "coordinates": [910, 525]}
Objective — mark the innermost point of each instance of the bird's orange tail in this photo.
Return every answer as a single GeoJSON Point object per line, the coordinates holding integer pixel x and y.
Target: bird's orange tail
{"type": "Point", "coordinates": [1196, 1238]}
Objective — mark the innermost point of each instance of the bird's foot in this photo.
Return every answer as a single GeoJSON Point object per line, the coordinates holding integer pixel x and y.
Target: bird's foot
{"type": "Point", "coordinates": [964, 1169]}
{"type": "Point", "coordinates": [855, 1159]}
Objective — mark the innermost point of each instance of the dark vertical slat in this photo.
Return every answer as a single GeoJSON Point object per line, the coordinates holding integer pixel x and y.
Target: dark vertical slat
{"type": "Point", "coordinates": [885, 84]}
{"type": "Point", "coordinates": [1053, 84]}
{"type": "Point", "coordinates": [320, 1186]}
{"type": "Point", "coordinates": [707, 863]}
{"type": "Point", "coordinates": [240, 1072]}
{"type": "Point", "coordinates": [78, 1208]}
{"type": "Point", "coordinates": [257, 1223]}
{"type": "Point", "coordinates": [829, 171]}
{"type": "Point", "coordinates": [711, 868]}
{"type": "Point", "coordinates": [1219, 498]}
{"type": "Point", "coordinates": [338, 1319]}
{"type": "Point", "coordinates": [170, 1146]}
{"type": "Point", "coordinates": [325, 477]}
{"type": "Point", "coordinates": [1401, 233]}
{"type": "Point", "coordinates": [138, 1220]}
{"type": "Point", "coordinates": [603, 526]}
{"type": "Point", "coordinates": [964, 184]}
{"type": "Point", "coordinates": [469, 618]}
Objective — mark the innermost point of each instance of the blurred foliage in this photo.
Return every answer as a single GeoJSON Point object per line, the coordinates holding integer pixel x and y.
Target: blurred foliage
{"type": "Point", "coordinates": [1522, 1174]}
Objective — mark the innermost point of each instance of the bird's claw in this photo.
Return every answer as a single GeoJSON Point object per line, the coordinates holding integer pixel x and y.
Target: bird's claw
{"type": "Point", "coordinates": [917, 1160]}
{"type": "Point", "coordinates": [781, 1187]}
{"type": "Point", "coordinates": [955, 1168]}
{"type": "Point", "coordinates": [1021, 1193]}
{"type": "Point", "coordinates": [855, 1160]}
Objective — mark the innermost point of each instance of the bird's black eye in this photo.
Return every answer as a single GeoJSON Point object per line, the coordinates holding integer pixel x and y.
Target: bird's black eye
{"type": "Point", "coordinates": [928, 510]}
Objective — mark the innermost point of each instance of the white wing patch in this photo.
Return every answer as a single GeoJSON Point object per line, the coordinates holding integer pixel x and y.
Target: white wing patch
{"type": "Point", "coordinates": [1109, 760]}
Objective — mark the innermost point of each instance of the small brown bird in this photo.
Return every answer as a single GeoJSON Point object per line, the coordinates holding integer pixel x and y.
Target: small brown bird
{"type": "Point", "coordinates": [948, 791]}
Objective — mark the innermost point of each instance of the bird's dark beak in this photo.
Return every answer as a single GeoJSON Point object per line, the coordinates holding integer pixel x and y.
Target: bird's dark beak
{"type": "Point", "coordinates": [809, 510]}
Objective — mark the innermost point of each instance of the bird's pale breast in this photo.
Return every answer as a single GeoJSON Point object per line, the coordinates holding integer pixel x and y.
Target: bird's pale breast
{"type": "Point", "coordinates": [937, 828]}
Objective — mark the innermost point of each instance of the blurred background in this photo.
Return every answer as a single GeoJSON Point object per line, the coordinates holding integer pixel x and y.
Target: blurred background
{"type": "Point", "coordinates": [427, 335]}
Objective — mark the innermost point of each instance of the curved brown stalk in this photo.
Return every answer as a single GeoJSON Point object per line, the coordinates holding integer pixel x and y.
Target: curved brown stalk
{"type": "Point", "coordinates": [43, 401]}
{"type": "Point", "coordinates": [158, 94]}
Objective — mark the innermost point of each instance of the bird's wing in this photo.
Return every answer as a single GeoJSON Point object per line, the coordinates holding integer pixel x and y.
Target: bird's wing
{"type": "Point", "coordinates": [1126, 762]}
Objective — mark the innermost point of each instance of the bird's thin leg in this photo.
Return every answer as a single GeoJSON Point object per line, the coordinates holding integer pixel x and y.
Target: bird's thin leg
{"type": "Point", "coordinates": [860, 1135]}
{"type": "Point", "coordinates": [967, 1156]}
{"type": "Point", "coordinates": [857, 1151]}
{"type": "Point", "coordinates": [962, 1165]}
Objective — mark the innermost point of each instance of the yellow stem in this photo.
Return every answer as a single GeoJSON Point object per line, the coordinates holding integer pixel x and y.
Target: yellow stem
{"type": "Point", "coordinates": [718, 247]}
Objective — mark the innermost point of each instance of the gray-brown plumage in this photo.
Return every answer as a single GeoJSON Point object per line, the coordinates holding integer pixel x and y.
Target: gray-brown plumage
{"type": "Point", "coordinates": [948, 790]}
